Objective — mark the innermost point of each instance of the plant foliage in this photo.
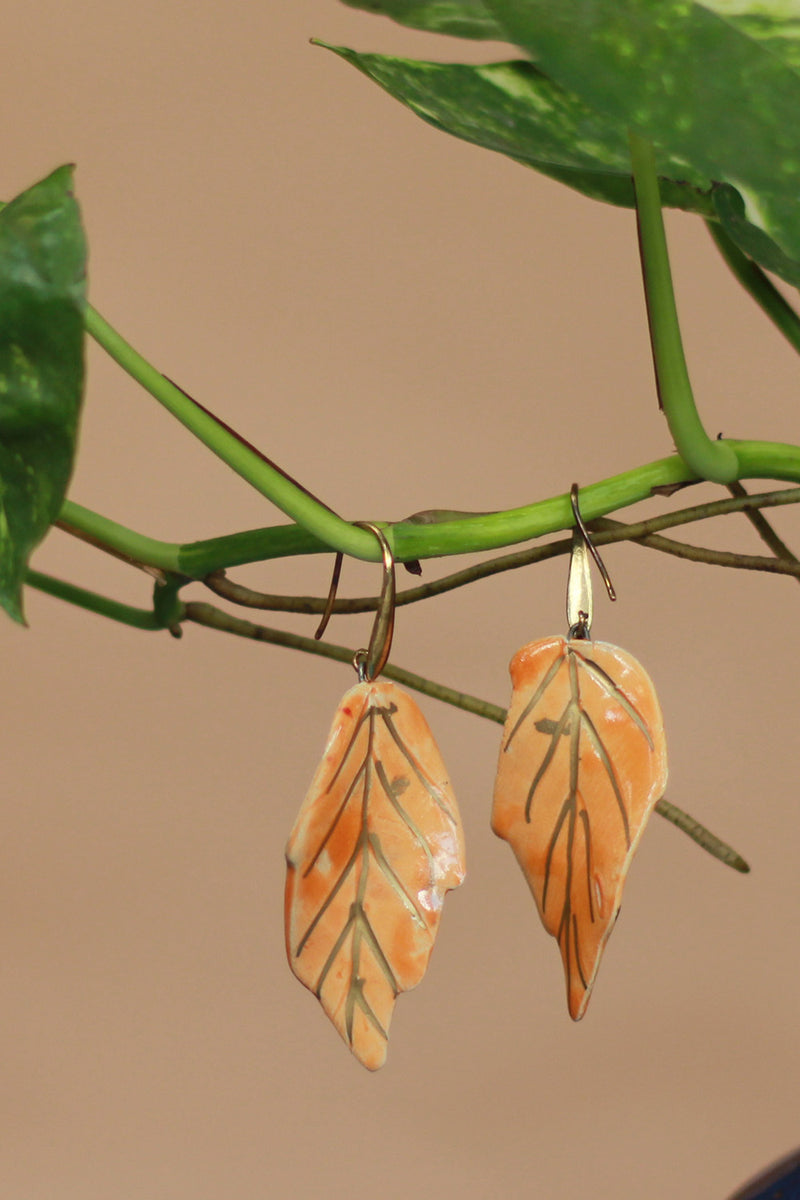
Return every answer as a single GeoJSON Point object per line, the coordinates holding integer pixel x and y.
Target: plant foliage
{"type": "Point", "coordinates": [714, 85]}
{"type": "Point", "coordinates": [42, 300]}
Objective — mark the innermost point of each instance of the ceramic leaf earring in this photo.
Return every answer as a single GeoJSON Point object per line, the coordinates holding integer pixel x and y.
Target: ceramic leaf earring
{"type": "Point", "coordinates": [376, 845]}
{"type": "Point", "coordinates": [582, 764]}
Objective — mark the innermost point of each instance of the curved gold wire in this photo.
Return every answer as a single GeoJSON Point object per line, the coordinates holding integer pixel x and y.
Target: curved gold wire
{"type": "Point", "coordinates": [579, 582]}
{"type": "Point", "coordinates": [332, 590]}
{"type": "Point", "coordinates": [587, 537]}
{"type": "Point", "coordinates": [370, 661]}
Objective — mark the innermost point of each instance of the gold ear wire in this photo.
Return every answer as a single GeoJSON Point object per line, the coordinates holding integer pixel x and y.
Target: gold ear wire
{"type": "Point", "coordinates": [579, 580]}
{"type": "Point", "coordinates": [329, 603]}
{"type": "Point", "coordinates": [369, 662]}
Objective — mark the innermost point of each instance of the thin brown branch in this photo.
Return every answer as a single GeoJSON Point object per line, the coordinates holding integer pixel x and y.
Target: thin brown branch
{"type": "Point", "coordinates": [719, 558]}
{"type": "Point", "coordinates": [704, 837]}
{"type": "Point", "coordinates": [214, 618]}
{"type": "Point", "coordinates": [762, 526]}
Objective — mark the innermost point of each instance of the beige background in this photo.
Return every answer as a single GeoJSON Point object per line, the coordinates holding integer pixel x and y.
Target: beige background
{"type": "Point", "coordinates": [402, 321]}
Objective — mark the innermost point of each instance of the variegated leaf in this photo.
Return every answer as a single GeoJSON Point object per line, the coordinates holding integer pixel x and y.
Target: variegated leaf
{"type": "Point", "coordinates": [582, 764]}
{"type": "Point", "coordinates": [458, 18]}
{"type": "Point", "coordinates": [775, 24]}
{"type": "Point", "coordinates": [42, 302]}
{"type": "Point", "coordinates": [716, 84]}
{"type": "Point", "coordinates": [513, 109]}
{"type": "Point", "coordinates": [376, 845]}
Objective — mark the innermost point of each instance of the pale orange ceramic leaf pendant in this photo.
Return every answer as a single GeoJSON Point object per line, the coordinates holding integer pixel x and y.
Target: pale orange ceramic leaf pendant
{"type": "Point", "coordinates": [582, 764]}
{"type": "Point", "coordinates": [376, 845]}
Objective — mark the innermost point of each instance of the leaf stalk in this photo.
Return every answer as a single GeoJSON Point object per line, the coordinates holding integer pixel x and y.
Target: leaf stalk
{"type": "Point", "coordinates": [709, 459]}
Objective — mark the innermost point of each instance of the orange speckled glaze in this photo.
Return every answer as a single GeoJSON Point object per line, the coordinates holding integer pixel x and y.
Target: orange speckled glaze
{"type": "Point", "coordinates": [376, 845]}
{"type": "Point", "coordinates": [582, 763]}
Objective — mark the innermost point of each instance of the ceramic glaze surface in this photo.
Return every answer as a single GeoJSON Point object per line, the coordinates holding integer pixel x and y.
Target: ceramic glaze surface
{"type": "Point", "coordinates": [582, 763]}
{"type": "Point", "coordinates": [376, 845]}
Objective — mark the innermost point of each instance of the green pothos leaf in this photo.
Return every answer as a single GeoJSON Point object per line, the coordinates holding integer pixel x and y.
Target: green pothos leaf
{"type": "Point", "coordinates": [730, 209]}
{"type": "Point", "coordinates": [459, 18]}
{"type": "Point", "coordinates": [514, 109]}
{"type": "Point", "coordinates": [714, 84]}
{"type": "Point", "coordinates": [42, 298]}
{"type": "Point", "coordinates": [775, 24]}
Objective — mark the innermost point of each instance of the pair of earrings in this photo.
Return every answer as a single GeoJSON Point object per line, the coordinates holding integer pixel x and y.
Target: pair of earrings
{"type": "Point", "coordinates": [378, 841]}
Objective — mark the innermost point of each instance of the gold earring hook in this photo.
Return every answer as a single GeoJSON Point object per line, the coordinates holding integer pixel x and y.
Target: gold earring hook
{"type": "Point", "coordinates": [332, 590]}
{"type": "Point", "coordinates": [369, 662]}
{"type": "Point", "coordinates": [579, 581]}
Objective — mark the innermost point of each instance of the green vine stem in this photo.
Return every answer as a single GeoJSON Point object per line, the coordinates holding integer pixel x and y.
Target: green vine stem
{"type": "Point", "coordinates": [117, 539]}
{"type": "Point", "coordinates": [254, 545]}
{"type": "Point", "coordinates": [168, 610]}
{"type": "Point", "coordinates": [412, 540]}
{"type": "Point", "coordinates": [215, 618]}
{"type": "Point", "coordinates": [324, 530]}
{"type": "Point", "coordinates": [758, 285]}
{"type": "Point", "coordinates": [714, 460]}
{"type": "Point", "coordinates": [139, 618]}
{"type": "Point", "coordinates": [604, 533]}
{"type": "Point", "coordinates": [241, 457]}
